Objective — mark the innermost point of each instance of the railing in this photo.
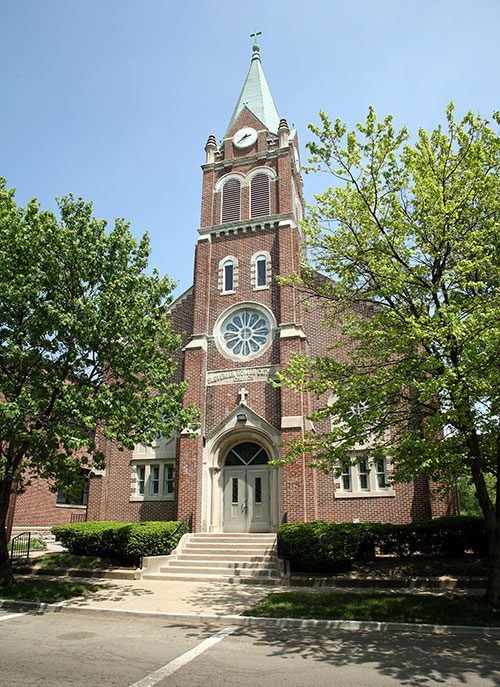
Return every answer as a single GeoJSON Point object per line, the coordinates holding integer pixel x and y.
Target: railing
{"type": "Point", "coordinates": [188, 522]}
{"type": "Point", "coordinates": [281, 550]}
{"type": "Point", "coordinates": [78, 517]}
{"type": "Point", "coordinates": [20, 546]}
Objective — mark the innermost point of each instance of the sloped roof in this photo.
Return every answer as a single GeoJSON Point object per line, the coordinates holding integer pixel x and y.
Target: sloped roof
{"type": "Point", "coordinates": [256, 95]}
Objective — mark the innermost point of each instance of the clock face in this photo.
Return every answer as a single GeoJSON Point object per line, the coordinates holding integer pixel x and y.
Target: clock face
{"type": "Point", "coordinates": [244, 138]}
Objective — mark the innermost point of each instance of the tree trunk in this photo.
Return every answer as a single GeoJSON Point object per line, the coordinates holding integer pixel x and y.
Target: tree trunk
{"type": "Point", "coordinates": [492, 595]}
{"type": "Point", "coordinates": [5, 571]}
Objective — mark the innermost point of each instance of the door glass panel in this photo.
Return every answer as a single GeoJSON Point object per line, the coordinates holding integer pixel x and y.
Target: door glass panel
{"type": "Point", "coordinates": [235, 490]}
{"type": "Point", "coordinates": [247, 453]}
{"type": "Point", "coordinates": [258, 490]}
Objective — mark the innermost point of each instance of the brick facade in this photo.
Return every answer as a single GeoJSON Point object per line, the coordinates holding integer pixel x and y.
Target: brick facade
{"type": "Point", "coordinates": [237, 403]}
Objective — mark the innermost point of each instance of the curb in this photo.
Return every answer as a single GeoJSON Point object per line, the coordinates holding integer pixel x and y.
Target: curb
{"type": "Point", "coordinates": [418, 583]}
{"type": "Point", "coordinates": [94, 573]}
{"type": "Point", "coordinates": [251, 621]}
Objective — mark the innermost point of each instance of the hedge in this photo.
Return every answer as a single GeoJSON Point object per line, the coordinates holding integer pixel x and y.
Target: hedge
{"type": "Point", "coordinates": [331, 547]}
{"type": "Point", "coordinates": [320, 546]}
{"type": "Point", "coordinates": [121, 540]}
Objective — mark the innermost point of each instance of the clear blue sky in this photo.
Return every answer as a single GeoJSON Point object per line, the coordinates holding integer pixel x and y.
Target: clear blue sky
{"type": "Point", "coordinates": [114, 99]}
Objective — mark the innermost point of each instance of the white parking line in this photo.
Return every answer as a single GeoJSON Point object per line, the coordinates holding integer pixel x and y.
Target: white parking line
{"type": "Point", "coordinates": [12, 615]}
{"type": "Point", "coordinates": [169, 668]}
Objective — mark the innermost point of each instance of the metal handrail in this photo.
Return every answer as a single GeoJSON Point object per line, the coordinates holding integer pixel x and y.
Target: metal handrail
{"type": "Point", "coordinates": [16, 547]}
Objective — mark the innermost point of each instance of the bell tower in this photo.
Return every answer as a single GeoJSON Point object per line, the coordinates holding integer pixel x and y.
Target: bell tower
{"type": "Point", "coordinates": [245, 325]}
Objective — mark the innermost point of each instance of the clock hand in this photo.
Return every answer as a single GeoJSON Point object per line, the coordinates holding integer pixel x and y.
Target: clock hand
{"type": "Point", "coordinates": [243, 137]}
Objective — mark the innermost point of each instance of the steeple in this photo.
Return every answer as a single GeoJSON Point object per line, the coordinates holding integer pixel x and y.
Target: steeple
{"type": "Point", "coordinates": [256, 94]}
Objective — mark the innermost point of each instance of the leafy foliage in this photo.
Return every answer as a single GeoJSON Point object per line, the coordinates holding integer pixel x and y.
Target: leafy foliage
{"type": "Point", "coordinates": [320, 546]}
{"type": "Point", "coordinates": [120, 540]}
{"type": "Point", "coordinates": [86, 349]}
{"type": "Point", "coordinates": [406, 255]}
{"type": "Point", "coordinates": [331, 547]}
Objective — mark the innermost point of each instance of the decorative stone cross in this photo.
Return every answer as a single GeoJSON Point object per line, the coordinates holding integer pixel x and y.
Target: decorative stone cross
{"type": "Point", "coordinates": [243, 395]}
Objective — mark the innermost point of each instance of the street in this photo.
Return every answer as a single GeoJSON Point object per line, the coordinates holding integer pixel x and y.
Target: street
{"type": "Point", "coordinates": [63, 649]}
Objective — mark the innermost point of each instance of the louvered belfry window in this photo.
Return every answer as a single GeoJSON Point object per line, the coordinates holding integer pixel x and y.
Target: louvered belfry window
{"type": "Point", "coordinates": [231, 201]}
{"type": "Point", "coordinates": [260, 196]}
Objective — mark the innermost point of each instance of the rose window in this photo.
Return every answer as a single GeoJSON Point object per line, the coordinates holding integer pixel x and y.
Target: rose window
{"type": "Point", "coordinates": [245, 333]}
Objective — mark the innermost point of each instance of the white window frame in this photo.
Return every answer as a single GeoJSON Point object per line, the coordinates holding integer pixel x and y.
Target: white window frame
{"type": "Point", "coordinates": [361, 478]}
{"type": "Point", "coordinates": [149, 469]}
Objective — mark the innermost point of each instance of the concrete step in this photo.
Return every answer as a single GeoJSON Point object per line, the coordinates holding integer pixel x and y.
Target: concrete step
{"type": "Point", "coordinates": [210, 547]}
{"type": "Point", "coordinates": [229, 537]}
{"type": "Point", "coordinates": [251, 558]}
{"type": "Point", "coordinates": [226, 557]}
{"type": "Point", "coordinates": [258, 565]}
{"type": "Point", "coordinates": [214, 570]}
{"type": "Point", "coordinates": [198, 577]}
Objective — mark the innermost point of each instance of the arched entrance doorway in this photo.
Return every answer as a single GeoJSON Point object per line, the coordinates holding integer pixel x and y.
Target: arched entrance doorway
{"type": "Point", "coordinates": [246, 492]}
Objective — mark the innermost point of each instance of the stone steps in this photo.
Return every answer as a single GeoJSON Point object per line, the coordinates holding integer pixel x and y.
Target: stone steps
{"type": "Point", "coordinates": [237, 558]}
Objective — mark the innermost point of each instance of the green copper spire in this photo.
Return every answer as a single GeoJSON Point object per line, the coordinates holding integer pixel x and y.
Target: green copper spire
{"type": "Point", "coordinates": [256, 94]}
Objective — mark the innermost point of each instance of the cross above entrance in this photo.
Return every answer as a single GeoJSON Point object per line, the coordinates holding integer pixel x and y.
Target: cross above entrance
{"type": "Point", "coordinates": [243, 395]}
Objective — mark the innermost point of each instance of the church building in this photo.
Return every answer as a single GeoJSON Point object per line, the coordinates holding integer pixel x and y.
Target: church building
{"type": "Point", "coordinates": [239, 328]}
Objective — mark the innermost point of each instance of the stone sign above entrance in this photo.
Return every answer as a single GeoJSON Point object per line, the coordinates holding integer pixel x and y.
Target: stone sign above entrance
{"type": "Point", "coordinates": [242, 375]}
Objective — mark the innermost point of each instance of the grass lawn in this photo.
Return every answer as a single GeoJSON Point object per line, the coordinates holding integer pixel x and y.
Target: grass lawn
{"type": "Point", "coordinates": [45, 591]}
{"type": "Point", "coordinates": [69, 560]}
{"type": "Point", "coordinates": [447, 609]}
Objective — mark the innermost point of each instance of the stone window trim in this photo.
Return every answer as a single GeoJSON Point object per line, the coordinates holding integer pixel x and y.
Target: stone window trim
{"type": "Point", "coordinates": [254, 270]}
{"type": "Point", "coordinates": [226, 316]}
{"type": "Point", "coordinates": [363, 479]}
{"type": "Point", "coordinates": [153, 480]}
{"type": "Point", "coordinates": [245, 180]}
{"type": "Point", "coordinates": [222, 275]}
{"type": "Point", "coordinates": [230, 207]}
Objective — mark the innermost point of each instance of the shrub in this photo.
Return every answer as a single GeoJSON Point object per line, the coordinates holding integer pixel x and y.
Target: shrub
{"type": "Point", "coordinates": [320, 546]}
{"type": "Point", "coordinates": [124, 541]}
{"type": "Point", "coordinates": [330, 547]}
{"type": "Point", "coordinates": [448, 536]}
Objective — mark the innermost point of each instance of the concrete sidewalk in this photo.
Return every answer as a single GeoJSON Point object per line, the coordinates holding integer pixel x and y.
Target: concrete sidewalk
{"type": "Point", "coordinates": [175, 597]}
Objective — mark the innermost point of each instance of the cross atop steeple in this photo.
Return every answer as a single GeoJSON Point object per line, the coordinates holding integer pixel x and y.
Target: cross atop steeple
{"type": "Point", "coordinates": [256, 46]}
{"type": "Point", "coordinates": [256, 95]}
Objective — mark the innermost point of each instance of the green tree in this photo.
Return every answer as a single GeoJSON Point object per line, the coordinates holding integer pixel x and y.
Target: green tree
{"type": "Point", "coordinates": [405, 250]}
{"type": "Point", "coordinates": [86, 349]}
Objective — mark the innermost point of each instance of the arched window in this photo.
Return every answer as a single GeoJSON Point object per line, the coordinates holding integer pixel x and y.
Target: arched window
{"type": "Point", "coordinates": [231, 201]}
{"type": "Point", "coordinates": [260, 195]}
{"type": "Point", "coordinates": [261, 270]}
{"type": "Point", "coordinates": [228, 274]}
{"type": "Point", "coordinates": [247, 453]}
